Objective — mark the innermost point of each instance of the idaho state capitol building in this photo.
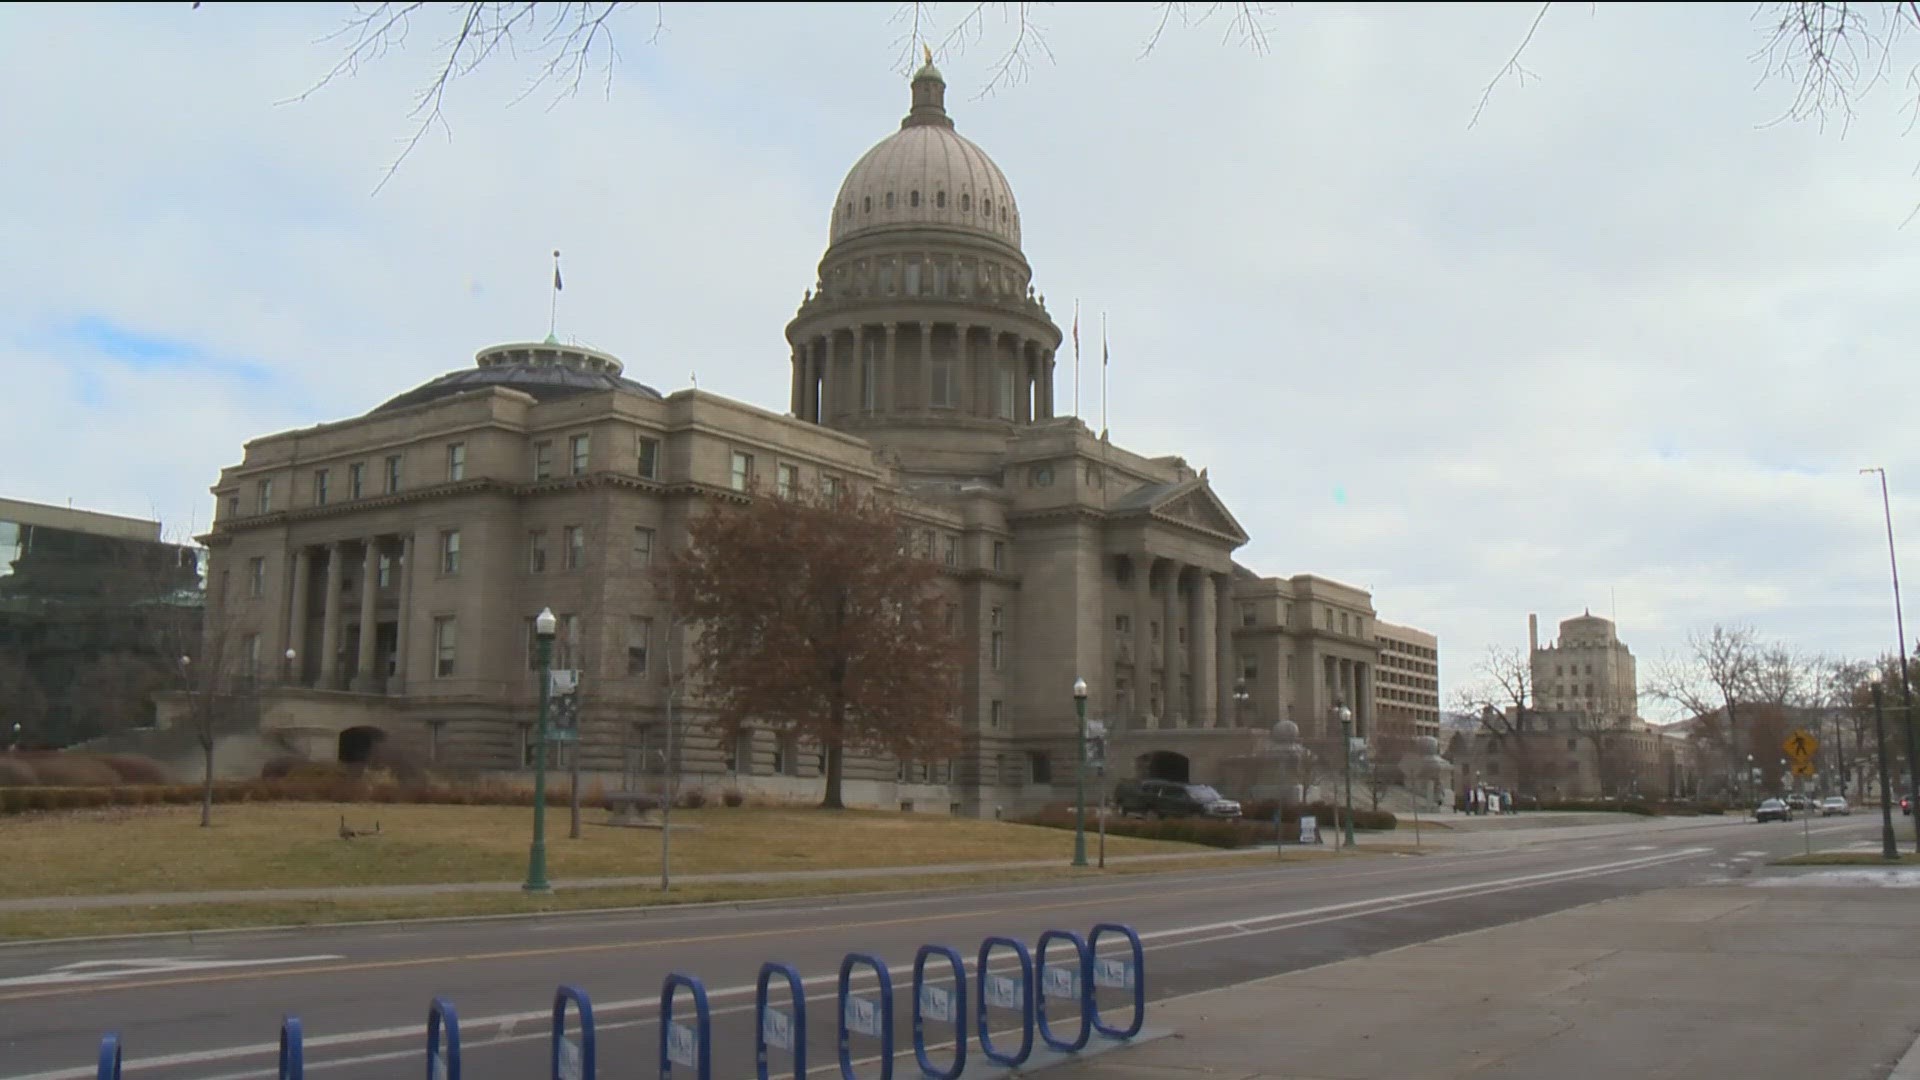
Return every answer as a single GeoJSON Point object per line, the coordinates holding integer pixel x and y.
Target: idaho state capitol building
{"type": "Point", "coordinates": [380, 574]}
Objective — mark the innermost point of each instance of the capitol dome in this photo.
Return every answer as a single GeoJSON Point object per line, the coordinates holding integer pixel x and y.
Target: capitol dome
{"type": "Point", "coordinates": [926, 174]}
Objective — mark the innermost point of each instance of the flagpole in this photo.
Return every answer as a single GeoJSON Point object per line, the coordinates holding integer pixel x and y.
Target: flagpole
{"type": "Point", "coordinates": [1103, 372]}
{"type": "Point", "coordinates": [553, 312]}
{"type": "Point", "coordinates": [1076, 359]}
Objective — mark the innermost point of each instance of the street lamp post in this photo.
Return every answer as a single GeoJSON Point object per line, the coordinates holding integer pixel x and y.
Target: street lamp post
{"type": "Point", "coordinates": [1346, 742]}
{"type": "Point", "coordinates": [290, 654]}
{"type": "Point", "coordinates": [1887, 847]}
{"type": "Point", "coordinates": [1900, 629]}
{"type": "Point", "coordinates": [1080, 775]}
{"type": "Point", "coordinates": [543, 627]}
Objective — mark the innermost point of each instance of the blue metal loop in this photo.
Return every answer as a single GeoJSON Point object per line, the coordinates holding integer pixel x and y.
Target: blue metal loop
{"type": "Point", "coordinates": [1081, 990]}
{"type": "Point", "coordinates": [984, 982]}
{"type": "Point", "coordinates": [956, 1003]}
{"type": "Point", "coordinates": [110, 1057]}
{"type": "Point", "coordinates": [703, 1026]}
{"type": "Point", "coordinates": [883, 1008]}
{"type": "Point", "coordinates": [293, 1055]}
{"type": "Point", "coordinates": [1128, 974]}
{"type": "Point", "coordinates": [583, 1006]}
{"type": "Point", "coordinates": [443, 1041]}
{"type": "Point", "coordinates": [795, 1027]}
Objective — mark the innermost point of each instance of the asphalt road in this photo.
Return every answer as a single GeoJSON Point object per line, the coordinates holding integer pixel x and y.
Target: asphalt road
{"type": "Point", "coordinates": [209, 1007]}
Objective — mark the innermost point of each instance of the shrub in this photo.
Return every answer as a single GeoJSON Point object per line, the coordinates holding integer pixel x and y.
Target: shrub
{"type": "Point", "coordinates": [134, 769]}
{"type": "Point", "coordinates": [733, 798]}
{"type": "Point", "coordinates": [692, 799]}
{"type": "Point", "coordinates": [15, 772]}
{"type": "Point", "coordinates": [72, 770]}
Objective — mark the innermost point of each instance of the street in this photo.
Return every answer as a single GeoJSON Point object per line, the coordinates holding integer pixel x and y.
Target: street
{"type": "Point", "coordinates": [210, 1006]}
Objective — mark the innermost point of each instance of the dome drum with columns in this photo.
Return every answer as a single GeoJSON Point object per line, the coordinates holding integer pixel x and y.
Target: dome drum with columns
{"type": "Point", "coordinates": [924, 306]}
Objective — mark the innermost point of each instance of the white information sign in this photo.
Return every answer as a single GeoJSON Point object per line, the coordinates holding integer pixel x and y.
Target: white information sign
{"type": "Point", "coordinates": [1058, 981]}
{"type": "Point", "coordinates": [936, 1003]}
{"type": "Point", "coordinates": [776, 1029]}
{"type": "Point", "coordinates": [863, 1016]}
{"type": "Point", "coordinates": [1003, 991]}
{"type": "Point", "coordinates": [1113, 974]}
{"type": "Point", "coordinates": [683, 1047]}
{"type": "Point", "coordinates": [1309, 830]}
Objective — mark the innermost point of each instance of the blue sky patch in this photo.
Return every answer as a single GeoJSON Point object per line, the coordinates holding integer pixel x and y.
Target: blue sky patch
{"type": "Point", "coordinates": [131, 348]}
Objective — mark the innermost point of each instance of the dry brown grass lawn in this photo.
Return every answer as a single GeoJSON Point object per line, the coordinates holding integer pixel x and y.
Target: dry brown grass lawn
{"type": "Point", "coordinates": [293, 845]}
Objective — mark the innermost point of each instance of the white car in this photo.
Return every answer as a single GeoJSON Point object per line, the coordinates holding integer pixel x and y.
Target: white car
{"type": "Point", "coordinates": [1834, 804]}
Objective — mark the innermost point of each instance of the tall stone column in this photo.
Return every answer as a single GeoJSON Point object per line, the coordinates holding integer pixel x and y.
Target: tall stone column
{"type": "Point", "coordinates": [889, 366]}
{"type": "Point", "coordinates": [297, 615]}
{"type": "Point", "coordinates": [1023, 393]}
{"type": "Point", "coordinates": [1046, 380]}
{"type": "Point", "coordinates": [926, 366]}
{"type": "Point", "coordinates": [824, 394]}
{"type": "Point", "coordinates": [865, 374]}
{"type": "Point", "coordinates": [1362, 700]}
{"type": "Point", "coordinates": [330, 619]}
{"type": "Point", "coordinates": [1170, 643]}
{"type": "Point", "coordinates": [1142, 644]}
{"type": "Point", "coordinates": [1226, 661]}
{"type": "Point", "coordinates": [364, 677]}
{"type": "Point", "coordinates": [1200, 655]}
{"type": "Point", "coordinates": [404, 617]}
{"type": "Point", "coordinates": [797, 400]}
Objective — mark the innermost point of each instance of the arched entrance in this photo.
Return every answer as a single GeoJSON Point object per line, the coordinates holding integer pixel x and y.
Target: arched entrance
{"type": "Point", "coordinates": [1162, 765]}
{"type": "Point", "coordinates": [357, 744]}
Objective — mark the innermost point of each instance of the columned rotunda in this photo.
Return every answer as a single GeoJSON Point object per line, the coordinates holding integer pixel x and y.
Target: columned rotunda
{"type": "Point", "coordinates": [400, 555]}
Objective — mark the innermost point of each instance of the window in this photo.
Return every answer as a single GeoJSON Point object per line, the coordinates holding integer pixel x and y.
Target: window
{"type": "Point", "coordinates": [642, 546]}
{"type": "Point", "coordinates": [450, 551]}
{"type": "Point", "coordinates": [740, 756]}
{"type": "Point", "coordinates": [543, 459]}
{"type": "Point", "coordinates": [576, 537]}
{"type": "Point", "coordinates": [742, 471]}
{"type": "Point", "coordinates": [786, 756]}
{"type": "Point", "coordinates": [1329, 615]}
{"type": "Point", "coordinates": [567, 652]}
{"type": "Point", "coordinates": [1183, 635]}
{"type": "Point", "coordinates": [393, 473]}
{"type": "Point", "coordinates": [787, 480]}
{"type": "Point", "coordinates": [256, 577]}
{"type": "Point", "coordinates": [940, 199]}
{"type": "Point", "coordinates": [941, 394]}
{"type": "Point", "coordinates": [1039, 767]}
{"type": "Point", "coordinates": [1123, 624]}
{"type": "Point", "coordinates": [998, 640]}
{"type": "Point", "coordinates": [253, 655]}
{"type": "Point", "coordinates": [1343, 622]}
{"type": "Point", "coordinates": [356, 479]}
{"type": "Point", "coordinates": [889, 200]}
{"type": "Point", "coordinates": [266, 496]}
{"type": "Point", "coordinates": [1153, 631]}
{"type": "Point", "coordinates": [913, 198]}
{"type": "Point", "coordinates": [443, 646]}
{"type": "Point", "coordinates": [233, 506]}
{"type": "Point", "coordinates": [1249, 670]}
{"type": "Point", "coordinates": [1004, 403]}
{"type": "Point", "coordinates": [999, 554]}
{"type": "Point", "coordinates": [639, 640]}
{"type": "Point", "coordinates": [320, 487]}
{"type": "Point", "coordinates": [649, 457]}
{"type": "Point", "coordinates": [384, 572]}
{"type": "Point", "coordinates": [952, 555]}
{"type": "Point", "coordinates": [1247, 615]}
{"type": "Point", "coordinates": [527, 746]}
{"type": "Point", "coordinates": [994, 713]}
{"type": "Point", "coordinates": [966, 202]}
{"type": "Point", "coordinates": [577, 448]}
{"type": "Point", "coordinates": [456, 462]}
{"type": "Point", "coordinates": [537, 551]}
{"type": "Point", "coordinates": [830, 485]}
{"type": "Point", "coordinates": [532, 639]}
{"type": "Point", "coordinates": [1040, 476]}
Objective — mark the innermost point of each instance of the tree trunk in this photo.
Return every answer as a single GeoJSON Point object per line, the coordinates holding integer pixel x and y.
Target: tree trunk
{"type": "Point", "coordinates": [835, 754]}
{"type": "Point", "coordinates": [206, 789]}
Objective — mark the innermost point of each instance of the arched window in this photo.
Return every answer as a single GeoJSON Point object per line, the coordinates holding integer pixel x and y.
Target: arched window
{"type": "Point", "coordinates": [913, 199]}
{"type": "Point", "coordinates": [986, 207]}
{"type": "Point", "coordinates": [889, 200]}
{"type": "Point", "coordinates": [965, 202]}
{"type": "Point", "coordinates": [940, 199]}
{"type": "Point", "coordinates": [849, 207]}
{"type": "Point", "coordinates": [865, 204]}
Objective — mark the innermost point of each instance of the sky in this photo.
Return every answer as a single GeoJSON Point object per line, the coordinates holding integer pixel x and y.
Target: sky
{"type": "Point", "coordinates": [1622, 344]}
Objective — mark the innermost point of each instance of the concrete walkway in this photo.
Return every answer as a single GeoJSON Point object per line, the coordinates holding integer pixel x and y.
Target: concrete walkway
{"type": "Point", "coordinates": [1763, 979]}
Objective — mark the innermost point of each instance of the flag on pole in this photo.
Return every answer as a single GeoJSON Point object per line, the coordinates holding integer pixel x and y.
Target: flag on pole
{"type": "Point", "coordinates": [1076, 329]}
{"type": "Point", "coordinates": [556, 271]}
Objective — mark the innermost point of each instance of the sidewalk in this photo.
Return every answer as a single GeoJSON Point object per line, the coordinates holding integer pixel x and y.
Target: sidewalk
{"type": "Point", "coordinates": [1789, 980]}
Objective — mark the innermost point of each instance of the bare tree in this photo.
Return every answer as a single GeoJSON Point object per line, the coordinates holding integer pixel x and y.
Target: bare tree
{"type": "Point", "coordinates": [1501, 696]}
{"type": "Point", "coordinates": [1709, 682]}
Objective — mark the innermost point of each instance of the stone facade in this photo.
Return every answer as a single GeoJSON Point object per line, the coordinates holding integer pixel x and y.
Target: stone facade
{"type": "Point", "coordinates": [401, 555]}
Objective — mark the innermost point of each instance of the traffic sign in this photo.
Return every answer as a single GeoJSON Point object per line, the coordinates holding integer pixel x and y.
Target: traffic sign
{"type": "Point", "coordinates": [1803, 769]}
{"type": "Point", "coordinates": [1801, 745]}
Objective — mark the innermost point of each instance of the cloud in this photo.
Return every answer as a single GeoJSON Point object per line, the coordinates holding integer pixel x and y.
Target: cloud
{"type": "Point", "coordinates": [1620, 344]}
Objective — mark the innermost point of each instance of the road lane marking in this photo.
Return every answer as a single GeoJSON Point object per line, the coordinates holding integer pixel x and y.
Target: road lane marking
{"type": "Point", "coordinates": [1275, 923]}
{"type": "Point", "coordinates": [87, 971]}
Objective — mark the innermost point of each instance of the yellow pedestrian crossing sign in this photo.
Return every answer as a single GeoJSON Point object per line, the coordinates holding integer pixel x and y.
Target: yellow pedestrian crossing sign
{"type": "Point", "coordinates": [1801, 746]}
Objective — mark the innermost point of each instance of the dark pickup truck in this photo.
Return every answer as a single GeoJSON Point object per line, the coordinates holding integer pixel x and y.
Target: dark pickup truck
{"type": "Point", "coordinates": [1170, 798]}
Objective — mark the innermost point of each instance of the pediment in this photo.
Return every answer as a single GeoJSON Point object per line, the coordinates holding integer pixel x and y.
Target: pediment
{"type": "Point", "coordinates": [1192, 504]}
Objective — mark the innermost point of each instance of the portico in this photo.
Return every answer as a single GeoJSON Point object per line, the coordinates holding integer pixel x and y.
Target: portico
{"type": "Point", "coordinates": [354, 634]}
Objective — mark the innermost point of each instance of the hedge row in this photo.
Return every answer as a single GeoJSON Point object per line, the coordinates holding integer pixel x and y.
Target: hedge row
{"type": "Point", "coordinates": [1328, 813]}
{"type": "Point", "coordinates": [14, 800]}
{"type": "Point", "coordinates": [1210, 832]}
{"type": "Point", "coordinates": [45, 768]}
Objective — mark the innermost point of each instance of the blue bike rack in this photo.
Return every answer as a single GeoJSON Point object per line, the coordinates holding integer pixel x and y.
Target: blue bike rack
{"type": "Point", "coordinates": [1128, 974]}
{"type": "Point", "coordinates": [293, 1055]}
{"type": "Point", "coordinates": [443, 1023]}
{"type": "Point", "coordinates": [110, 1057]}
{"type": "Point", "coordinates": [1078, 989]}
{"type": "Point", "coordinates": [989, 987]}
{"type": "Point", "coordinates": [872, 1017]}
{"type": "Point", "coordinates": [938, 1000]}
{"type": "Point", "coordinates": [771, 1027]}
{"type": "Point", "coordinates": [571, 1062]}
{"type": "Point", "coordinates": [677, 1042]}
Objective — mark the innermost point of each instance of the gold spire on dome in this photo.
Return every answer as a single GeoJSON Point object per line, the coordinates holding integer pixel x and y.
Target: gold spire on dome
{"type": "Point", "coordinates": [929, 95]}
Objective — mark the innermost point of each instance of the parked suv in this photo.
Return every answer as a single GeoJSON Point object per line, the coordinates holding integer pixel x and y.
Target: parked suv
{"type": "Point", "coordinates": [1170, 798]}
